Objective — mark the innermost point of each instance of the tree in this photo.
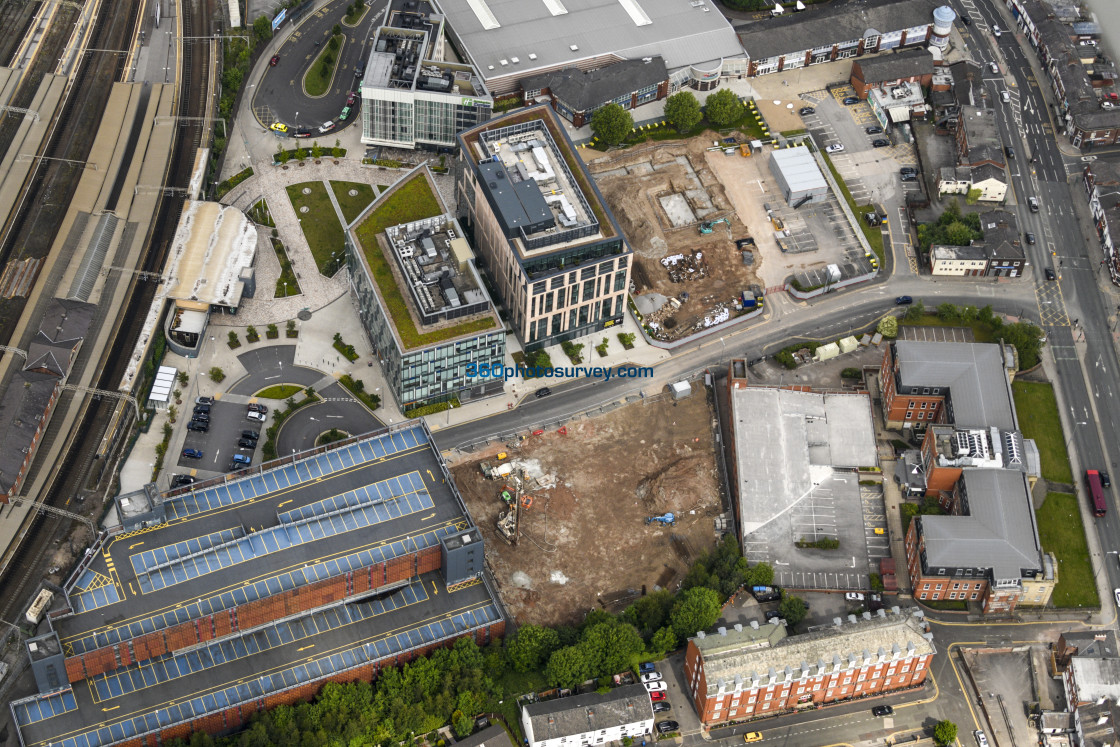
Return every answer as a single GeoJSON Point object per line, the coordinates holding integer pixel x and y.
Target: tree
{"type": "Point", "coordinates": [663, 641]}
{"type": "Point", "coordinates": [316, 151]}
{"type": "Point", "coordinates": [682, 110]}
{"type": "Point", "coordinates": [888, 327]}
{"type": "Point", "coordinates": [723, 107]}
{"type": "Point", "coordinates": [915, 311]}
{"type": "Point", "coordinates": [262, 29]}
{"type": "Point", "coordinates": [531, 647]}
{"type": "Point", "coordinates": [217, 375]}
{"type": "Point", "coordinates": [336, 30]}
{"type": "Point", "coordinates": [945, 733]}
{"type": "Point", "coordinates": [649, 613]}
{"type": "Point", "coordinates": [760, 574]}
{"type": "Point", "coordinates": [567, 667]}
{"type": "Point", "coordinates": [610, 646]}
{"type": "Point", "coordinates": [958, 234]}
{"type": "Point", "coordinates": [792, 610]}
{"type": "Point", "coordinates": [696, 609]}
{"type": "Point", "coordinates": [612, 124]}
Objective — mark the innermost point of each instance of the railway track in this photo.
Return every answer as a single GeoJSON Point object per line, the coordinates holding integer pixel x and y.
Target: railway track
{"type": "Point", "coordinates": [73, 472]}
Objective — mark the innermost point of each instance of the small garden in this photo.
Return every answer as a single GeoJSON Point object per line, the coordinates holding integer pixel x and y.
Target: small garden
{"type": "Point", "coordinates": [317, 80]}
{"type": "Point", "coordinates": [357, 387]}
{"type": "Point", "coordinates": [260, 214]}
{"type": "Point", "coordinates": [319, 224]}
{"type": "Point", "coordinates": [279, 391]}
{"type": "Point", "coordinates": [345, 348]}
{"type": "Point", "coordinates": [224, 188]}
{"type": "Point", "coordinates": [353, 205]}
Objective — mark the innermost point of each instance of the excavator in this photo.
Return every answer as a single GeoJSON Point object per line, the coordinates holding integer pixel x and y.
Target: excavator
{"type": "Point", "coordinates": [710, 225]}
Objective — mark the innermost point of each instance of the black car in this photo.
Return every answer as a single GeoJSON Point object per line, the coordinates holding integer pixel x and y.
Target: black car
{"type": "Point", "coordinates": [198, 425]}
{"type": "Point", "coordinates": [661, 706]}
{"type": "Point", "coordinates": [178, 481]}
{"type": "Point", "coordinates": [880, 143]}
{"type": "Point", "coordinates": [543, 392]}
{"type": "Point", "coordinates": [1050, 274]}
{"type": "Point", "coordinates": [966, 20]}
{"type": "Point", "coordinates": [360, 71]}
{"type": "Point", "coordinates": [1106, 481]}
{"type": "Point", "coordinates": [806, 110]}
{"type": "Point", "coordinates": [1009, 151]}
{"type": "Point", "coordinates": [908, 170]}
{"type": "Point", "coordinates": [909, 177]}
{"type": "Point", "coordinates": [851, 100]}
{"type": "Point", "coordinates": [203, 416]}
{"type": "Point", "coordinates": [875, 130]}
{"type": "Point", "coordinates": [904, 300]}
{"type": "Point", "coordinates": [257, 407]}
{"type": "Point", "coordinates": [201, 408]}
{"type": "Point", "coordinates": [882, 711]}
{"type": "Point", "coordinates": [1030, 237]}
{"type": "Point", "coordinates": [667, 727]}
{"type": "Point", "coordinates": [251, 434]}
{"type": "Point", "coordinates": [247, 443]}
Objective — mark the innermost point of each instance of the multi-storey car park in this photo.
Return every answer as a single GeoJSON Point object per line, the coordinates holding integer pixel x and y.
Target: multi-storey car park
{"type": "Point", "coordinates": [210, 604]}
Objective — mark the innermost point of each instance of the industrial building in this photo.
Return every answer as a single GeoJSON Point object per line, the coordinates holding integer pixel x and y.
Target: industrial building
{"type": "Point", "coordinates": [843, 29]}
{"type": "Point", "coordinates": [976, 464]}
{"type": "Point", "coordinates": [213, 602]}
{"type": "Point", "coordinates": [551, 246]}
{"type": "Point", "coordinates": [510, 41]}
{"type": "Point", "coordinates": [416, 93]}
{"type": "Point", "coordinates": [759, 670]}
{"type": "Point", "coordinates": [798, 176]}
{"type": "Point", "coordinates": [590, 718]}
{"type": "Point", "coordinates": [425, 308]}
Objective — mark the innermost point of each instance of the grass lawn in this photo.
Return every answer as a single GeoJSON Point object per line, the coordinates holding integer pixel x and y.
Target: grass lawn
{"type": "Point", "coordinates": [287, 284]}
{"type": "Point", "coordinates": [412, 201]}
{"type": "Point", "coordinates": [352, 206]}
{"type": "Point", "coordinates": [279, 391]}
{"type": "Point", "coordinates": [1038, 419]}
{"type": "Point", "coordinates": [320, 223]}
{"type": "Point", "coordinates": [317, 79]}
{"type": "Point", "coordinates": [1062, 533]}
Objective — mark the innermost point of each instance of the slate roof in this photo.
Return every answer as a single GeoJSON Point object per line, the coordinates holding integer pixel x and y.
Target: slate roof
{"type": "Point", "coordinates": [832, 23]}
{"type": "Point", "coordinates": [982, 135]}
{"type": "Point", "coordinates": [582, 90]}
{"type": "Point", "coordinates": [590, 712]}
{"type": "Point", "coordinates": [891, 66]}
{"type": "Point", "coordinates": [1001, 235]}
{"type": "Point", "coordinates": [973, 372]}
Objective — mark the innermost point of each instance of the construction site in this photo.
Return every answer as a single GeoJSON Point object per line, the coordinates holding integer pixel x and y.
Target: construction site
{"type": "Point", "coordinates": [568, 526]}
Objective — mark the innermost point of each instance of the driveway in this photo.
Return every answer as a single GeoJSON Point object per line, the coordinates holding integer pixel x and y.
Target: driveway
{"type": "Point", "coordinates": [272, 365]}
{"type": "Point", "coordinates": [340, 411]}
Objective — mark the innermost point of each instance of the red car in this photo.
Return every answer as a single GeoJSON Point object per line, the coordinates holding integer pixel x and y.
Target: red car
{"type": "Point", "coordinates": [351, 98]}
{"type": "Point", "coordinates": [275, 59]}
{"type": "Point", "coordinates": [658, 695]}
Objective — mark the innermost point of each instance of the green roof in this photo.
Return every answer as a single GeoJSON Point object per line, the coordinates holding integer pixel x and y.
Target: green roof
{"type": "Point", "coordinates": [406, 202]}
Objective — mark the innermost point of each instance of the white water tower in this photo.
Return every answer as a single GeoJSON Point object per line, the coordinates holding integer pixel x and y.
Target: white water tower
{"type": "Point", "coordinates": [943, 18]}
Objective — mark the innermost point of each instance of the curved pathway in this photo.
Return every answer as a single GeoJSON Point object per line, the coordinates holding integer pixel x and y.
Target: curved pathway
{"type": "Point", "coordinates": [340, 411]}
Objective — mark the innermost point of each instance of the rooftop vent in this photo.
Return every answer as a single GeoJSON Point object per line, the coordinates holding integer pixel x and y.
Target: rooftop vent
{"type": "Point", "coordinates": [503, 63]}
{"type": "Point", "coordinates": [532, 55]}
{"type": "Point", "coordinates": [574, 48]}
{"type": "Point", "coordinates": [514, 60]}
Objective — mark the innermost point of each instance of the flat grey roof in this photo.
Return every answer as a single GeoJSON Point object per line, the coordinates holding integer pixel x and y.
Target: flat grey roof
{"type": "Point", "coordinates": [787, 441]}
{"type": "Point", "coordinates": [799, 169]}
{"type": "Point", "coordinates": [974, 372]}
{"type": "Point", "coordinates": [528, 36]}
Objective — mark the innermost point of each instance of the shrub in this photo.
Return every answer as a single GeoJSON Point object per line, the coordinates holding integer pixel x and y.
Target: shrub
{"type": "Point", "coordinates": [233, 341]}
{"type": "Point", "coordinates": [888, 327]}
{"type": "Point", "coordinates": [627, 339]}
{"type": "Point", "coordinates": [217, 375]}
{"type": "Point", "coordinates": [601, 348]}
{"type": "Point", "coordinates": [574, 351]}
{"type": "Point", "coordinates": [851, 373]}
{"type": "Point", "coordinates": [272, 332]}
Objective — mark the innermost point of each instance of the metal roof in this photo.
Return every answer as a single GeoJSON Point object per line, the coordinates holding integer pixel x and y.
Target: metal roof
{"type": "Point", "coordinates": [974, 373]}
{"type": "Point", "coordinates": [522, 37]}
{"type": "Point", "coordinates": [799, 170]}
{"type": "Point", "coordinates": [999, 531]}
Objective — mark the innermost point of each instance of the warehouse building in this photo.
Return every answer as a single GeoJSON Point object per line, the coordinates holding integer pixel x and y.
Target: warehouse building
{"type": "Point", "coordinates": [551, 246]}
{"type": "Point", "coordinates": [428, 318]}
{"type": "Point", "coordinates": [798, 176]}
{"type": "Point", "coordinates": [253, 590]}
{"type": "Point", "coordinates": [758, 670]}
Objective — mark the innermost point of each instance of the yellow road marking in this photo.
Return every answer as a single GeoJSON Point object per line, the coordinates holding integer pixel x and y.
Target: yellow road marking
{"type": "Point", "coordinates": [135, 544]}
{"type": "Point", "coordinates": [435, 590]}
{"type": "Point", "coordinates": [130, 588]}
{"type": "Point", "coordinates": [284, 503]}
{"type": "Point", "coordinates": [111, 708]}
{"type": "Point", "coordinates": [304, 648]}
{"type": "Point", "coordinates": [430, 475]}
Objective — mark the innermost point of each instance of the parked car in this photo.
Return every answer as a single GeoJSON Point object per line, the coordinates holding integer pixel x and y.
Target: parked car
{"type": "Point", "coordinates": [904, 301]}
{"type": "Point", "coordinates": [883, 710]}
{"type": "Point", "coordinates": [351, 97]}
{"type": "Point", "coordinates": [908, 170]}
{"type": "Point", "coordinates": [655, 687]}
{"type": "Point", "coordinates": [667, 727]}
{"type": "Point", "coordinates": [657, 695]}
{"type": "Point", "coordinates": [255, 435]}
{"type": "Point", "coordinates": [981, 738]}
{"type": "Point", "coordinates": [909, 177]}
{"type": "Point", "coordinates": [1106, 480]}
{"type": "Point", "coordinates": [204, 401]}
{"type": "Point", "coordinates": [854, 596]}
{"type": "Point", "coordinates": [652, 677]}
{"type": "Point", "coordinates": [178, 481]}
{"type": "Point", "coordinates": [278, 127]}
{"type": "Point", "coordinates": [806, 110]}
{"type": "Point", "coordinates": [202, 407]}
{"type": "Point", "coordinates": [543, 392]}
{"type": "Point", "coordinates": [646, 667]}
{"type": "Point", "coordinates": [662, 706]}
{"type": "Point", "coordinates": [327, 126]}
{"type": "Point", "coordinates": [835, 148]}
{"type": "Point", "coordinates": [1030, 237]}
{"type": "Point", "coordinates": [258, 407]}
{"type": "Point", "coordinates": [360, 71]}
{"type": "Point", "coordinates": [994, 68]}
{"type": "Point", "coordinates": [874, 130]}
{"type": "Point", "coordinates": [260, 417]}
{"type": "Point", "coordinates": [752, 736]}
{"type": "Point", "coordinates": [246, 443]}
{"type": "Point", "coordinates": [203, 416]}
{"type": "Point", "coordinates": [198, 425]}
{"type": "Point", "coordinates": [242, 459]}
{"type": "Point", "coordinates": [851, 100]}
{"type": "Point", "coordinates": [966, 20]}
{"type": "Point", "coordinates": [1050, 274]}
{"type": "Point", "coordinates": [345, 114]}
{"type": "Point", "coordinates": [880, 143]}
{"type": "Point", "coordinates": [303, 132]}
{"type": "Point", "coordinates": [192, 453]}
{"type": "Point", "coordinates": [274, 61]}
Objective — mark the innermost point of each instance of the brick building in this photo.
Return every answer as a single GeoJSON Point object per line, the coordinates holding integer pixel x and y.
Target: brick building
{"type": "Point", "coordinates": [978, 467]}
{"type": "Point", "coordinates": [889, 70]}
{"type": "Point", "coordinates": [754, 671]}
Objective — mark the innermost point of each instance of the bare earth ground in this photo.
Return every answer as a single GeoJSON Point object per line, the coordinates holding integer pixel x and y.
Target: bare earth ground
{"type": "Point", "coordinates": [634, 180]}
{"type": "Point", "coordinates": [585, 542]}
